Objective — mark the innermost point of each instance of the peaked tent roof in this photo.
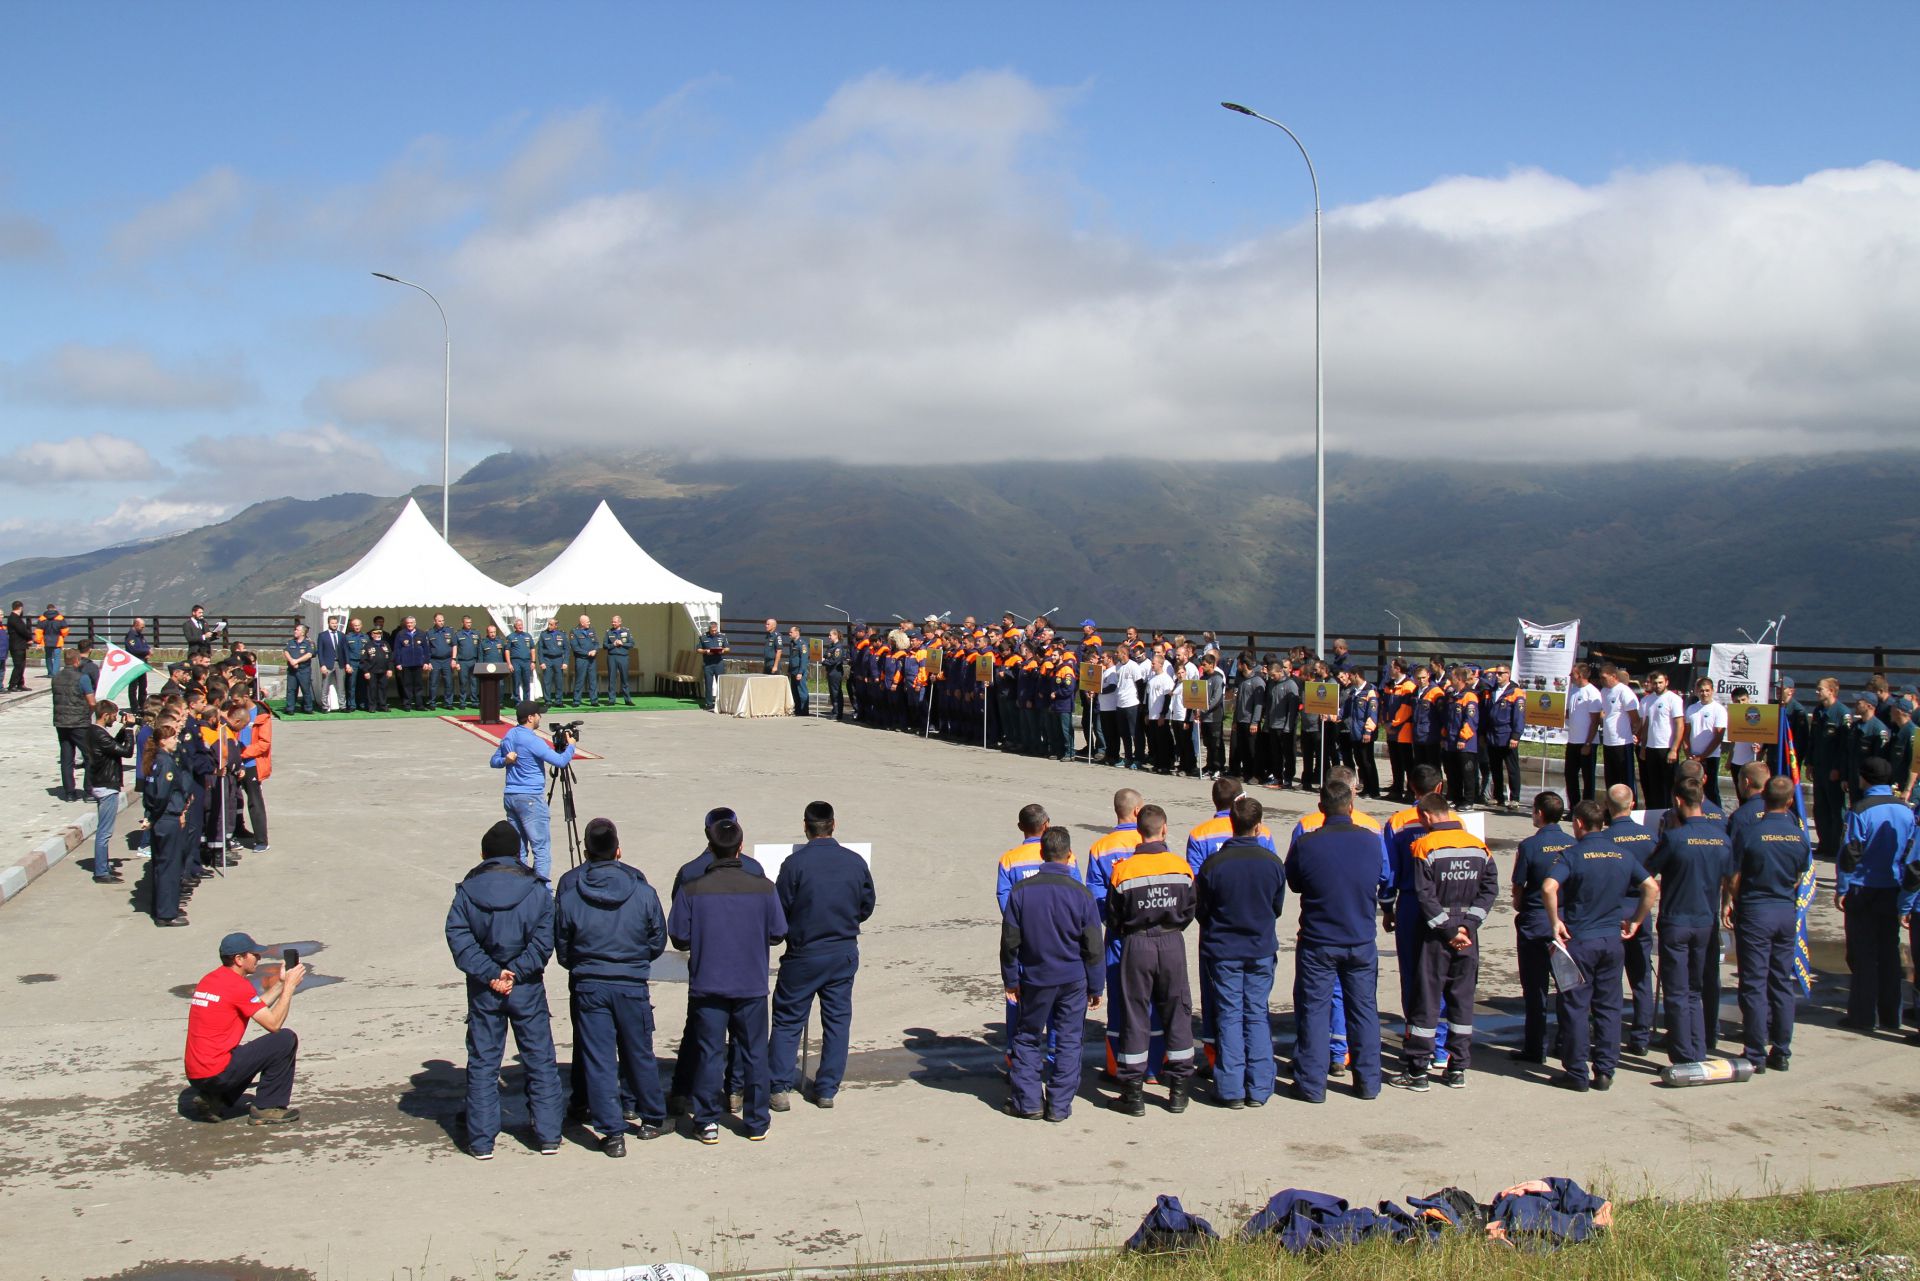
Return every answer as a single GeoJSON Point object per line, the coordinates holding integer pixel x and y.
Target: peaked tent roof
{"type": "Point", "coordinates": [411, 565]}
{"type": "Point", "coordinates": [604, 566]}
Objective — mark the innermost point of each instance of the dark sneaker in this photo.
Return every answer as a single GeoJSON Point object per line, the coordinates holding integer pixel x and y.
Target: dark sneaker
{"type": "Point", "coordinates": [202, 1108]}
{"type": "Point", "coordinates": [1454, 1078]}
{"type": "Point", "coordinates": [1414, 1081]}
{"type": "Point", "coordinates": [173, 922]}
{"type": "Point", "coordinates": [1256, 1103]}
{"type": "Point", "coordinates": [1638, 1047]}
{"type": "Point", "coordinates": [271, 1116]}
{"type": "Point", "coordinates": [1013, 1111]}
{"type": "Point", "coordinates": [111, 878]}
{"type": "Point", "coordinates": [1603, 1081]}
{"type": "Point", "coordinates": [823, 1101]}
{"type": "Point", "coordinates": [629, 1115]}
{"type": "Point", "coordinates": [779, 1102]}
{"type": "Point", "coordinates": [1777, 1061]}
{"type": "Point", "coordinates": [1338, 1067]}
{"type": "Point", "coordinates": [1232, 1105]}
{"type": "Point", "coordinates": [1568, 1081]}
{"type": "Point", "coordinates": [651, 1130]}
{"type": "Point", "coordinates": [757, 1138]}
{"type": "Point", "coordinates": [709, 1134]}
{"type": "Point", "coordinates": [480, 1154]}
{"type": "Point", "coordinates": [550, 1147]}
{"type": "Point", "coordinates": [614, 1145]}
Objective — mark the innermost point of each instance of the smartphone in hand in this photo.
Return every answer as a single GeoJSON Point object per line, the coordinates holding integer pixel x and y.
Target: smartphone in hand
{"type": "Point", "coordinates": [289, 959]}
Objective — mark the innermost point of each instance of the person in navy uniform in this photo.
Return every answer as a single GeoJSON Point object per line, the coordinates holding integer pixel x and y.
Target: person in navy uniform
{"type": "Point", "coordinates": [440, 663]}
{"type": "Point", "coordinates": [833, 661]}
{"type": "Point", "coordinates": [299, 653]}
{"type": "Point", "coordinates": [330, 656]}
{"type": "Point", "coordinates": [1053, 967]}
{"type": "Point", "coordinates": [410, 656]}
{"type": "Point", "coordinates": [680, 1092]}
{"type": "Point", "coordinates": [794, 662]}
{"type": "Point", "coordinates": [713, 659]}
{"type": "Point", "coordinates": [1534, 931]}
{"type": "Point", "coordinates": [466, 652]}
{"type": "Point", "coordinates": [619, 642]}
{"type": "Point", "coordinates": [166, 796]}
{"type": "Point", "coordinates": [1768, 861]}
{"type": "Point", "coordinates": [773, 650]}
{"type": "Point", "coordinates": [376, 660]}
{"type": "Point", "coordinates": [1337, 871]}
{"type": "Point", "coordinates": [500, 931]}
{"type": "Point", "coordinates": [354, 647]}
{"type": "Point", "coordinates": [140, 645]}
{"type": "Point", "coordinates": [1638, 954]}
{"type": "Point", "coordinates": [725, 921]}
{"type": "Point", "coordinates": [1693, 861]}
{"type": "Point", "coordinates": [608, 932]}
{"type": "Point", "coordinates": [1583, 894]}
{"type": "Point", "coordinates": [583, 647]}
{"type": "Point", "coordinates": [520, 650]}
{"type": "Point", "coordinates": [553, 663]}
{"type": "Point", "coordinates": [826, 891]}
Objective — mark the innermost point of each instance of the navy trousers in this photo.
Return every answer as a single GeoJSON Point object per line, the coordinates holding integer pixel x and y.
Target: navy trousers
{"type": "Point", "coordinates": [1685, 957]}
{"type": "Point", "coordinates": [1316, 970]}
{"type": "Point", "coordinates": [711, 1019]}
{"type": "Point", "coordinates": [829, 978]}
{"type": "Point", "coordinates": [1873, 957]}
{"type": "Point", "coordinates": [1536, 981]}
{"type": "Point", "coordinates": [1590, 1014]}
{"type": "Point", "coordinates": [1764, 934]}
{"type": "Point", "coordinates": [1637, 959]}
{"type": "Point", "coordinates": [269, 1058]}
{"type": "Point", "coordinates": [617, 676]}
{"type": "Point", "coordinates": [613, 1030]}
{"type": "Point", "coordinates": [488, 1014]}
{"type": "Point", "coordinates": [1063, 1009]}
{"type": "Point", "coordinates": [441, 690]}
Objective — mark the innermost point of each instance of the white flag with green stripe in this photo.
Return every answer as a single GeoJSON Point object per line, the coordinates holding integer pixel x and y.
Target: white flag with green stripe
{"type": "Point", "coordinates": [118, 670]}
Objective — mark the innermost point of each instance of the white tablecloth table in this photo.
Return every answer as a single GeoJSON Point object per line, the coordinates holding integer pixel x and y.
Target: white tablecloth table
{"type": "Point", "coordinates": [743, 694]}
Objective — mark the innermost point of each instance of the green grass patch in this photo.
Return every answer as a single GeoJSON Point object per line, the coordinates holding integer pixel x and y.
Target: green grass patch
{"type": "Point", "coordinates": [1668, 1240]}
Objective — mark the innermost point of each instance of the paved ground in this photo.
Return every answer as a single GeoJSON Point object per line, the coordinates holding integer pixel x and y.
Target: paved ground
{"type": "Point", "coordinates": [30, 807]}
{"type": "Point", "coordinates": [372, 823]}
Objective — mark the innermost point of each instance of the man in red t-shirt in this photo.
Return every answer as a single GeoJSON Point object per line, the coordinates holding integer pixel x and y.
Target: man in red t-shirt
{"type": "Point", "coordinates": [219, 1067]}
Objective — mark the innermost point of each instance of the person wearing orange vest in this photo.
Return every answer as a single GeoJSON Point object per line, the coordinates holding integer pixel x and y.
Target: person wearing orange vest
{"type": "Point", "coordinates": [1456, 882]}
{"type": "Point", "coordinates": [50, 633]}
{"type": "Point", "coordinates": [1462, 741]}
{"type": "Point", "coordinates": [1150, 904]}
{"type": "Point", "coordinates": [1397, 708]}
{"type": "Point", "coordinates": [1105, 854]}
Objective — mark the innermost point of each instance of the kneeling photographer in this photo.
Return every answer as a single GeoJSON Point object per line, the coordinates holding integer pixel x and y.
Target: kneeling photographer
{"type": "Point", "coordinates": [525, 756]}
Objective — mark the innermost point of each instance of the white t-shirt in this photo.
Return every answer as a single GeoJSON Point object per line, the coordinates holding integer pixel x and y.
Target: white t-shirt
{"type": "Point", "coordinates": [1161, 691]}
{"type": "Point", "coordinates": [1177, 710]}
{"type": "Point", "coordinates": [1743, 754]}
{"type": "Point", "coordinates": [1617, 706]}
{"type": "Point", "coordinates": [1583, 707]}
{"type": "Point", "coordinates": [1703, 719]}
{"type": "Point", "coordinates": [1126, 692]}
{"type": "Point", "coordinates": [1109, 689]}
{"type": "Point", "coordinates": [1659, 712]}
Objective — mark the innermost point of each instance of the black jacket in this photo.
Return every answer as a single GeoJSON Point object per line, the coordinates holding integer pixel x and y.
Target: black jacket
{"type": "Point", "coordinates": [105, 751]}
{"type": "Point", "coordinates": [19, 630]}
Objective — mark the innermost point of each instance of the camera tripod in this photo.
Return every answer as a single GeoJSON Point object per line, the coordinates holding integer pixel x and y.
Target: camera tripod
{"type": "Point", "coordinates": [563, 779]}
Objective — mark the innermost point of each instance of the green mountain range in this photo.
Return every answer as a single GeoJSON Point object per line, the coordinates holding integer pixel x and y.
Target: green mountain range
{"type": "Point", "coordinates": [1638, 550]}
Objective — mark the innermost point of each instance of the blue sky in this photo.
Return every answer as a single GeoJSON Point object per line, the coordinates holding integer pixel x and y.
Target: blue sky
{"type": "Point", "coordinates": [191, 197]}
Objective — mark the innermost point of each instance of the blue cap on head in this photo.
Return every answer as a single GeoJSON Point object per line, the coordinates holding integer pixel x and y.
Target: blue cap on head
{"type": "Point", "coordinates": [237, 942]}
{"type": "Point", "coordinates": [1088, 622]}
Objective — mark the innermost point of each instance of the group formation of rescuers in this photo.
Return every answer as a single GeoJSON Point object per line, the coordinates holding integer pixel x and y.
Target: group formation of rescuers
{"type": "Point", "coordinates": [1584, 899]}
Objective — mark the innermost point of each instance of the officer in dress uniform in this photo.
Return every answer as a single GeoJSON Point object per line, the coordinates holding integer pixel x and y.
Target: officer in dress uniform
{"type": "Point", "coordinates": [376, 661]}
{"type": "Point", "coordinates": [466, 652]}
{"type": "Point", "coordinates": [619, 643]}
{"type": "Point", "coordinates": [409, 646]}
{"type": "Point", "coordinates": [772, 649]}
{"type": "Point", "coordinates": [520, 651]}
{"type": "Point", "coordinates": [583, 646]}
{"type": "Point", "coordinates": [440, 663]}
{"type": "Point", "coordinates": [354, 647]}
{"type": "Point", "coordinates": [796, 668]}
{"type": "Point", "coordinates": [1828, 740]}
{"type": "Point", "coordinates": [833, 657]}
{"type": "Point", "coordinates": [299, 653]}
{"type": "Point", "coordinates": [553, 663]}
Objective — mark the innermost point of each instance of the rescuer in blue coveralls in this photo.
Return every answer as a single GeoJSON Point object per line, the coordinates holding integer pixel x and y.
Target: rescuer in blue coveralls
{"type": "Point", "coordinates": [440, 663]}
{"type": "Point", "coordinates": [608, 931]}
{"type": "Point", "coordinates": [1052, 967]}
{"type": "Point", "coordinates": [1768, 861]}
{"type": "Point", "coordinates": [466, 652]}
{"type": "Point", "coordinates": [1336, 871]}
{"type": "Point", "coordinates": [583, 645]}
{"type": "Point", "coordinates": [1693, 861]}
{"type": "Point", "coordinates": [520, 650]}
{"type": "Point", "coordinates": [500, 931]}
{"type": "Point", "coordinates": [1637, 953]}
{"type": "Point", "coordinates": [1536, 858]}
{"type": "Point", "coordinates": [826, 891]}
{"type": "Point", "coordinates": [553, 663]}
{"type": "Point", "coordinates": [1583, 893]}
{"type": "Point", "coordinates": [619, 643]}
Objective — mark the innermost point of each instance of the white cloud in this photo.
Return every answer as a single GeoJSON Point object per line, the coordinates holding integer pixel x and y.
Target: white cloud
{"type": "Point", "coordinates": [898, 280]}
{"type": "Point", "coordinates": [146, 517]}
{"type": "Point", "coordinates": [95, 459]}
{"type": "Point", "coordinates": [124, 376]}
{"type": "Point", "coordinates": [24, 239]}
{"type": "Point", "coordinates": [303, 462]}
{"type": "Point", "coordinates": [196, 209]}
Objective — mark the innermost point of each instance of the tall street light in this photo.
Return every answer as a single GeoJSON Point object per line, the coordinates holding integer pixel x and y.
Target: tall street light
{"type": "Point", "coordinates": [1319, 401]}
{"type": "Point", "coordinates": [446, 401]}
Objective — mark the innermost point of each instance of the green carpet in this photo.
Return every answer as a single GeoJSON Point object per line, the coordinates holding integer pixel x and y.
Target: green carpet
{"type": "Point", "coordinates": [641, 703]}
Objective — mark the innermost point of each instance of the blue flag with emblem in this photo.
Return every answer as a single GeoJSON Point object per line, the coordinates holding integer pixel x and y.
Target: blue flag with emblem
{"type": "Point", "coordinates": [1803, 896]}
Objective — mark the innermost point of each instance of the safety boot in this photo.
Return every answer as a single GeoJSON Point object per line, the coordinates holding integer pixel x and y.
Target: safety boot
{"type": "Point", "coordinates": [1133, 1098]}
{"type": "Point", "coordinates": [1177, 1094]}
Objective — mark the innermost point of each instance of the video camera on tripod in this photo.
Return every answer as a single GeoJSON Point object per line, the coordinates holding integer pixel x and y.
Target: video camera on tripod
{"type": "Point", "coordinates": [564, 732]}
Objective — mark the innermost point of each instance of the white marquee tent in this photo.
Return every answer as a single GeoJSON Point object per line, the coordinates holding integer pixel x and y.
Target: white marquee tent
{"type": "Point", "coordinates": [411, 570]}
{"type": "Point", "coordinates": [603, 572]}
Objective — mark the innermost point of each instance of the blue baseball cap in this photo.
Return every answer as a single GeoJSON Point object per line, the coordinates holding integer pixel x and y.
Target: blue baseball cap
{"type": "Point", "coordinates": [1088, 622]}
{"type": "Point", "coordinates": [237, 942]}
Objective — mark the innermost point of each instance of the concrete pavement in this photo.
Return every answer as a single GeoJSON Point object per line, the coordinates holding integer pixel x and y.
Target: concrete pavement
{"type": "Point", "coordinates": [372, 825]}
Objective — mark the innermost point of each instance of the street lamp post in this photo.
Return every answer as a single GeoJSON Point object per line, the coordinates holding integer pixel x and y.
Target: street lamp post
{"type": "Point", "coordinates": [1398, 648]}
{"type": "Point", "coordinates": [1319, 400]}
{"type": "Point", "coordinates": [446, 400]}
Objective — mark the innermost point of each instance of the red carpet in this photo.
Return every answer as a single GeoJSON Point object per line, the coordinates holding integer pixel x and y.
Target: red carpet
{"type": "Point", "coordinates": [494, 733]}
